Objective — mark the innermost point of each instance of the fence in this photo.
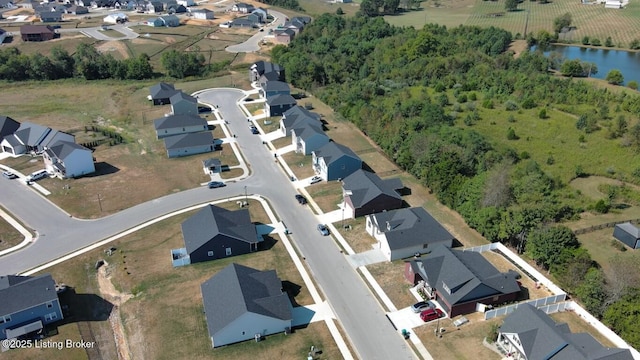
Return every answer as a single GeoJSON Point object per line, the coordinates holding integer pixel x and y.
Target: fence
{"type": "Point", "coordinates": [603, 226]}
{"type": "Point", "coordinates": [505, 310]}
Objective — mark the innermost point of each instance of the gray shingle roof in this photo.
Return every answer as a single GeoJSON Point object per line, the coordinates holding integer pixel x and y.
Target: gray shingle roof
{"type": "Point", "coordinates": [276, 86]}
{"type": "Point", "coordinates": [262, 67]}
{"type": "Point", "coordinates": [366, 186]}
{"type": "Point", "coordinates": [238, 289]}
{"type": "Point", "coordinates": [543, 338]}
{"type": "Point", "coordinates": [333, 151]}
{"type": "Point", "coordinates": [55, 136]}
{"type": "Point", "coordinates": [211, 162]}
{"type": "Point", "coordinates": [62, 149]}
{"type": "Point", "coordinates": [175, 121]}
{"type": "Point", "coordinates": [281, 99]}
{"type": "Point", "coordinates": [466, 274]}
{"type": "Point", "coordinates": [307, 130]}
{"type": "Point", "coordinates": [181, 96]}
{"type": "Point", "coordinates": [32, 134]}
{"type": "Point", "coordinates": [409, 227]}
{"type": "Point", "coordinates": [7, 125]}
{"type": "Point", "coordinates": [188, 140]}
{"type": "Point", "coordinates": [211, 221]}
{"type": "Point", "coordinates": [22, 292]}
{"type": "Point", "coordinates": [630, 228]}
{"type": "Point", "coordinates": [297, 114]}
{"type": "Point", "coordinates": [162, 91]}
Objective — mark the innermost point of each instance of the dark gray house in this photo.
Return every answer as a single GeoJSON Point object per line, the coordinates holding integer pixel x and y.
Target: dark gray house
{"type": "Point", "coordinates": [529, 333]}
{"type": "Point", "coordinates": [308, 137]}
{"type": "Point", "coordinates": [628, 233]}
{"type": "Point", "coordinates": [261, 67]}
{"type": "Point", "coordinates": [215, 233]}
{"type": "Point", "coordinates": [241, 303]}
{"type": "Point", "coordinates": [182, 103]}
{"type": "Point", "coordinates": [179, 124]}
{"type": "Point", "coordinates": [365, 193]}
{"type": "Point", "coordinates": [278, 104]}
{"type": "Point", "coordinates": [7, 126]}
{"type": "Point", "coordinates": [334, 161]}
{"type": "Point", "coordinates": [212, 166]}
{"type": "Point", "coordinates": [271, 88]}
{"type": "Point", "coordinates": [296, 116]}
{"type": "Point", "coordinates": [27, 304]}
{"type": "Point", "coordinates": [405, 232]}
{"type": "Point", "coordinates": [189, 144]}
{"type": "Point", "coordinates": [161, 93]}
{"type": "Point", "coordinates": [50, 16]}
{"type": "Point", "coordinates": [459, 280]}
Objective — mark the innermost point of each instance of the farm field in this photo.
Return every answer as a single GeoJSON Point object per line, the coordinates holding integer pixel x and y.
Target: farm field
{"type": "Point", "coordinates": [590, 20]}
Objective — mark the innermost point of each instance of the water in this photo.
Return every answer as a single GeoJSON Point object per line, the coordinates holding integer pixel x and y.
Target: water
{"type": "Point", "coordinates": [627, 62]}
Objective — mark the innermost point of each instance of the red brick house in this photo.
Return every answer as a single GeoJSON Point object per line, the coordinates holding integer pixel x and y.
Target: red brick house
{"type": "Point", "coordinates": [37, 32]}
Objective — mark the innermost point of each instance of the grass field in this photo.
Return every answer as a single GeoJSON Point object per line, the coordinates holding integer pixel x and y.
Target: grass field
{"type": "Point", "coordinates": [9, 236]}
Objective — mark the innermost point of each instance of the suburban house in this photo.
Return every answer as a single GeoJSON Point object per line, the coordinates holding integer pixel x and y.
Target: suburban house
{"type": "Point", "coordinates": [216, 233]}
{"type": "Point", "coordinates": [37, 32]}
{"type": "Point", "coordinates": [628, 233]}
{"type": "Point", "coordinates": [7, 126]}
{"type": "Point", "coordinates": [202, 14]}
{"type": "Point", "coordinates": [176, 9]}
{"type": "Point", "coordinates": [365, 193]}
{"type": "Point", "coordinates": [212, 166]}
{"type": "Point", "coordinates": [27, 304]}
{"type": "Point", "coordinates": [182, 103]}
{"type": "Point", "coordinates": [32, 137]}
{"type": "Point", "coordinates": [297, 23]}
{"type": "Point", "coordinates": [334, 161]}
{"type": "Point", "coordinates": [68, 160]}
{"type": "Point", "coordinates": [115, 18]}
{"type": "Point", "coordinates": [295, 117]}
{"type": "Point", "coordinates": [260, 68]}
{"type": "Point", "coordinates": [461, 280]}
{"type": "Point", "coordinates": [156, 22]}
{"type": "Point", "coordinates": [308, 137]}
{"type": "Point", "coordinates": [161, 93]}
{"type": "Point", "coordinates": [262, 12]}
{"type": "Point", "coordinates": [278, 104]}
{"type": "Point", "coordinates": [243, 8]}
{"type": "Point", "coordinates": [50, 16]}
{"type": "Point", "coordinates": [154, 7]}
{"type": "Point", "coordinates": [187, 3]}
{"type": "Point", "coordinates": [255, 18]}
{"type": "Point", "coordinates": [77, 10]}
{"type": "Point", "coordinates": [529, 333]}
{"type": "Point", "coordinates": [179, 124]}
{"type": "Point", "coordinates": [189, 144]}
{"type": "Point", "coordinates": [243, 22]}
{"type": "Point", "coordinates": [170, 20]}
{"type": "Point", "coordinates": [271, 88]}
{"type": "Point", "coordinates": [405, 232]}
{"type": "Point", "coordinates": [242, 303]}
{"type": "Point", "coordinates": [285, 36]}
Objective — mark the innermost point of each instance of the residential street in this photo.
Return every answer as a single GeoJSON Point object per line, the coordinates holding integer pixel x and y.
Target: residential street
{"type": "Point", "coordinates": [364, 321]}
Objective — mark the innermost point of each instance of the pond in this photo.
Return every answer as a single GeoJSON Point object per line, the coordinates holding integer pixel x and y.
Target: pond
{"type": "Point", "coordinates": [627, 62]}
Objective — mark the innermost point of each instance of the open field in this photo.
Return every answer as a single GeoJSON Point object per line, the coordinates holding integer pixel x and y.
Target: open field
{"type": "Point", "coordinates": [357, 237]}
{"type": "Point", "coordinates": [9, 236]}
{"type": "Point", "coordinates": [600, 247]}
{"type": "Point", "coordinates": [141, 266]}
{"type": "Point", "coordinates": [326, 194]}
{"type": "Point", "coordinates": [390, 276]}
{"type": "Point", "coordinates": [318, 7]}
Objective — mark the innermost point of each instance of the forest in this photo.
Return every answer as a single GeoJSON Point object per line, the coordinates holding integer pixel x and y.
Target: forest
{"type": "Point", "coordinates": [405, 87]}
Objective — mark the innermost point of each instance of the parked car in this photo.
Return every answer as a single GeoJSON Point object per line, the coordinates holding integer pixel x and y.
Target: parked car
{"type": "Point", "coordinates": [323, 229]}
{"type": "Point", "coordinates": [215, 184]}
{"type": "Point", "coordinates": [37, 175]}
{"type": "Point", "coordinates": [254, 130]}
{"type": "Point", "coordinates": [9, 175]}
{"type": "Point", "coordinates": [422, 306]}
{"type": "Point", "coordinates": [301, 199]}
{"type": "Point", "coordinates": [315, 179]}
{"type": "Point", "coordinates": [431, 314]}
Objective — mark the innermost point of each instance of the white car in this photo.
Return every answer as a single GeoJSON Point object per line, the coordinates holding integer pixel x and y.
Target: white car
{"type": "Point", "coordinates": [315, 179]}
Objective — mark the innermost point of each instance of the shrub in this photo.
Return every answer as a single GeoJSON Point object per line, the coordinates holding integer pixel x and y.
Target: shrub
{"type": "Point", "coordinates": [542, 114]}
{"type": "Point", "coordinates": [633, 85]}
{"type": "Point", "coordinates": [339, 11]}
{"type": "Point", "coordinates": [511, 119]}
{"type": "Point", "coordinates": [585, 40]}
{"type": "Point", "coordinates": [635, 44]}
{"type": "Point", "coordinates": [608, 42]}
{"type": "Point", "coordinates": [551, 160]}
{"type": "Point", "coordinates": [528, 103]}
{"type": "Point", "coordinates": [596, 42]}
{"type": "Point", "coordinates": [510, 105]}
{"type": "Point", "coordinates": [601, 206]}
{"type": "Point", "coordinates": [473, 96]}
{"type": "Point", "coordinates": [580, 171]}
{"type": "Point", "coordinates": [524, 155]}
{"type": "Point", "coordinates": [487, 104]}
{"type": "Point", "coordinates": [511, 134]}
{"type": "Point", "coordinates": [462, 98]}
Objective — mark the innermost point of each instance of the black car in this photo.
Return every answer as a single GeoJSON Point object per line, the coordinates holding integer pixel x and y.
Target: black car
{"type": "Point", "coordinates": [254, 130]}
{"type": "Point", "coordinates": [301, 199]}
{"type": "Point", "coordinates": [215, 184]}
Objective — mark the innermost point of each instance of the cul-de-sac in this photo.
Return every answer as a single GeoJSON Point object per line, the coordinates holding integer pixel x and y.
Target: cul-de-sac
{"type": "Point", "coordinates": [319, 179]}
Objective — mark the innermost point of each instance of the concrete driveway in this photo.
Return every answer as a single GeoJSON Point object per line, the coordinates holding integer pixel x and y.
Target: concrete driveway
{"type": "Point", "coordinates": [253, 43]}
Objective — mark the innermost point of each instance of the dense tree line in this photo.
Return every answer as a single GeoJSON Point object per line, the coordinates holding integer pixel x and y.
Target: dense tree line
{"type": "Point", "coordinates": [287, 4]}
{"type": "Point", "coordinates": [398, 86]}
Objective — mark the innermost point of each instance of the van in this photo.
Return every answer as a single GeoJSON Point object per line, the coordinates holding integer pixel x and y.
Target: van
{"type": "Point", "coordinates": [431, 314]}
{"type": "Point", "coordinates": [37, 175]}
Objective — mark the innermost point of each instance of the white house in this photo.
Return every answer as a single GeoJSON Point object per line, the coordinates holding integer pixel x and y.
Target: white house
{"type": "Point", "coordinates": [187, 3]}
{"type": "Point", "coordinates": [115, 18]}
{"type": "Point", "coordinates": [68, 160]}
{"type": "Point", "coordinates": [202, 14]}
{"type": "Point", "coordinates": [241, 303]}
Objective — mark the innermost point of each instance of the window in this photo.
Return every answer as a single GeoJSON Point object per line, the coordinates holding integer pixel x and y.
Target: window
{"type": "Point", "coordinates": [228, 250]}
{"type": "Point", "coordinates": [446, 288]}
{"type": "Point", "coordinates": [50, 316]}
{"type": "Point", "coordinates": [425, 246]}
{"type": "Point", "coordinates": [49, 305]}
{"type": "Point", "coordinates": [210, 253]}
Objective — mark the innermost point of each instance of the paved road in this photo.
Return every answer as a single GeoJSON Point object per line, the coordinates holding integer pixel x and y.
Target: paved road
{"type": "Point", "coordinates": [362, 317]}
{"type": "Point", "coordinates": [253, 43]}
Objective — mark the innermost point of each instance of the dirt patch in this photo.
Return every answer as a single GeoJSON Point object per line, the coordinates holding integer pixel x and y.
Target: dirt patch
{"type": "Point", "coordinates": [170, 40]}
{"type": "Point", "coordinates": [518, 47]}
{"type": "Point", "coordinates": [114, 46]}
{"type": "Point", "coordinates": [143, 41]}
{"type": "Point", "coordinates": [115, 297]}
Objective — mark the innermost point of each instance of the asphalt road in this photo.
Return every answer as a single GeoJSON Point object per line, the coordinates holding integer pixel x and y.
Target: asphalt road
{"type": "Point", "coordinates": [253, 43]}
{"type": "Point", "coordinates": [364, 321]}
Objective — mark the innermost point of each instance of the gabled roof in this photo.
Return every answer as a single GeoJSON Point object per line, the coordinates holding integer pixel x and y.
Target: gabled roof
{"type": "Point", "coordinates": [55, 136]}
{"type": "Point", "coordinates": [411, 226]}
{"type": "Point", "coordinates": [287, 32]}
{"type": "Point", "coordinates": [463, 276]}
{"type": "Point", "coordinates": [50, 15]}
{"type": "Point", "coordinates": [280, 99]}
{"type": "Point", "coordinates": [162, 91]}
{"type": "Point", "coordinates": [7, 125]}
{"type": "Point", "coordinates": [630, 229]}
{"type": "Point", "coordinates": [170, 18]}
{"type": "Point", "coordinates": [333, 151]}
{"type": "Point", "coordinates": [203, 10]}
{"type": "Point", "coordinates": [212, 221]}
{"type": "Point", "coordinates": [188, 140]}
{"type": "Point", "coordinates": [36, 29]}
{"type": "Point", "coordinates": [542, 338]}
{"type": "Point", "coordinates": [62, 149]}
{"type": "Point", "coordinates": [366, 186]}
{"type": "Point", "coordinates": [242, 21]}
{"type": "Point", "coordinates": [307, 130]}
{"type": "Point", "coordinates": [175, 121]}
{"type": "Point", "coordinates": [181, 96]}
{"type": "Point", "coordinates": [299, 115]}
{"type": "Point", "coordinates": [275, 85]}
{"type": "Point", "coordinates": [237, 290]}
{"type": "Point", "coordinates": [22, 292]}
{"type": "Point", "coordinates": [211, 162]}
{"type": "Point", "coordinates": [262, 67]}
{"type": "Point", "coordinates": [32, 134]}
